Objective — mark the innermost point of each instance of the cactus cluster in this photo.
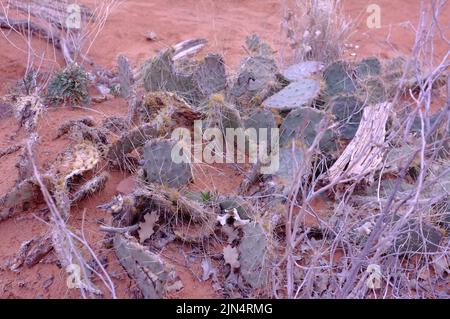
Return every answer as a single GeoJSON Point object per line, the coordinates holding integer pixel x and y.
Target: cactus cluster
{"type": "Point", "coordinates": [194, 82]}
{"type": "Point", "coordinates": [255, 80]}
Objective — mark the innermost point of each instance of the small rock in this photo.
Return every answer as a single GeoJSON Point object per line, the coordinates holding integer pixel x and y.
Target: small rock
{"type": "Point", "coordinates": [151, 36]}
{"type": "Point", "coordinates": [99, 98]}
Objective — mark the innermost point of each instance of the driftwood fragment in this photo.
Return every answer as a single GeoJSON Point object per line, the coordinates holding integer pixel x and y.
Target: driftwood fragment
{"type": "Point", "coordinates": [364, 155]}
{"type": "Point", "coordinates": [54, 12]}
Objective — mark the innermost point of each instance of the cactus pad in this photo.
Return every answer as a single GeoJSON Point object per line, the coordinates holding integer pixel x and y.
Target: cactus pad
{"type": "Point", "coordinates": [297, 94]}
{"type": "Point", "coordinates": [159, 166]}
{"type": "Point", "coordinates": [338, 79]}
{"type": "Point", "coordinates": [300, 71]}
{"type": "Point", "coordinates": [304, 123]}
{"type": "Point", "coordinates": [348, 112]}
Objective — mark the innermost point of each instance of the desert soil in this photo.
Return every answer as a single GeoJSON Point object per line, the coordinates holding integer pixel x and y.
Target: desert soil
{"type": "Point", "coordinates": [225, 24]}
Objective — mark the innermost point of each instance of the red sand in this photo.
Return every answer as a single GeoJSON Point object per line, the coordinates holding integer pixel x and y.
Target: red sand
{"type": "Point", "coordinates": [225, 24]}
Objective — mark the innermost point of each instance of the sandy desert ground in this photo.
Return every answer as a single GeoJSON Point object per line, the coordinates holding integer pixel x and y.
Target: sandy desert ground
{"type": "Point", "coordinates": [225, 24]}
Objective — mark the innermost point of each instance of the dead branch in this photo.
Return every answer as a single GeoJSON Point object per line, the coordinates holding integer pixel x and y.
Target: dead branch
{"type": "Point", "coordinates": [364, 155]}
{"type": "Point", "coordinates": [53, 11]}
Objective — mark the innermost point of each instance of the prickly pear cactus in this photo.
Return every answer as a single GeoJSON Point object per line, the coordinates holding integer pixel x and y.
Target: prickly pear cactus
{"type": "Point", "coordinates": [290, 160]}
{"type": "Point", "coordinates": [210, 76]}
{"type": "Point", "coordinates": [159, 166]}
{"type": "Point", "coordinates": [194, 83]}
{"type": "Point", "coordinates": [253, 255]}
{"type": "Point", "coordinates": [300, 71]}
{"type": "Point", "coordinates": [347, 110]}
{"type": "Point", "coordinates": [367, 68]}
{"type": "Point", "coordinates": [221, 114]}
{"type": "Point", "coordinates": [257, 47]}
{"type": "Point", "coordinates": [303, 123]}
{"type": "Point", "coordinates": [257, 78]}
{"type": "Point", "coordinates": [261, 119]}
{"type": "Point", "coordinates": [338, 79]}
{"type": "Point", "coordinates": [372, 90]}
{"type": "Point", "coordinates": [125, 76]}
{"type": "Point", "coordinates": [297, 94]}
{"type": "Point", "coordinates": [399, 72]}
{"type": "Point", "coordinates": [146, 268]}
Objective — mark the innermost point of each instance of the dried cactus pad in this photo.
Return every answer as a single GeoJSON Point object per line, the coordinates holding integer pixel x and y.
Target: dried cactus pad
{"type": "Point", "coordinates": [338, 79]}
{"type": "Point", "coordinates": [300, 71]}
{"type": "Point", "coordinates": [303, 123]}
{"type": "Point", "coordinates": [159, 166]}
{"type": "Point", "coordinates": [297, 94]}
{"type": "Point", "coordinates": [146, 268]}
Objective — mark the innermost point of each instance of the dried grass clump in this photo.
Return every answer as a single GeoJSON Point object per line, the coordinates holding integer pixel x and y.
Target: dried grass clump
{"type": "Point", "coordinates": [317, 30]}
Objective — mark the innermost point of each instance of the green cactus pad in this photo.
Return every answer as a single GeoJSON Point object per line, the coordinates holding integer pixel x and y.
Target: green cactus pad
{"type": "Point", "coordinates": [159, 166]}
{"type": "Point", "coordinates": [303, 123]}
{"type": "Point", "coordinates": [338, 79]}
{"type": "Point", "coordinates": [367, 68]}
{"type": "Point", "coordinates": [297, 94]}
{"type": "Point", "coordinates": [300, 71]}
{"type": "Point", "coordinates": [347, 110]}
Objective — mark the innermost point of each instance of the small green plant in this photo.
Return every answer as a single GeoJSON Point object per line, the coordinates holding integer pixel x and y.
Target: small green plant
{"type": "Point", "coordinates": [70, 86]}
{"type": "Point", "coordinates": [206, 196]}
